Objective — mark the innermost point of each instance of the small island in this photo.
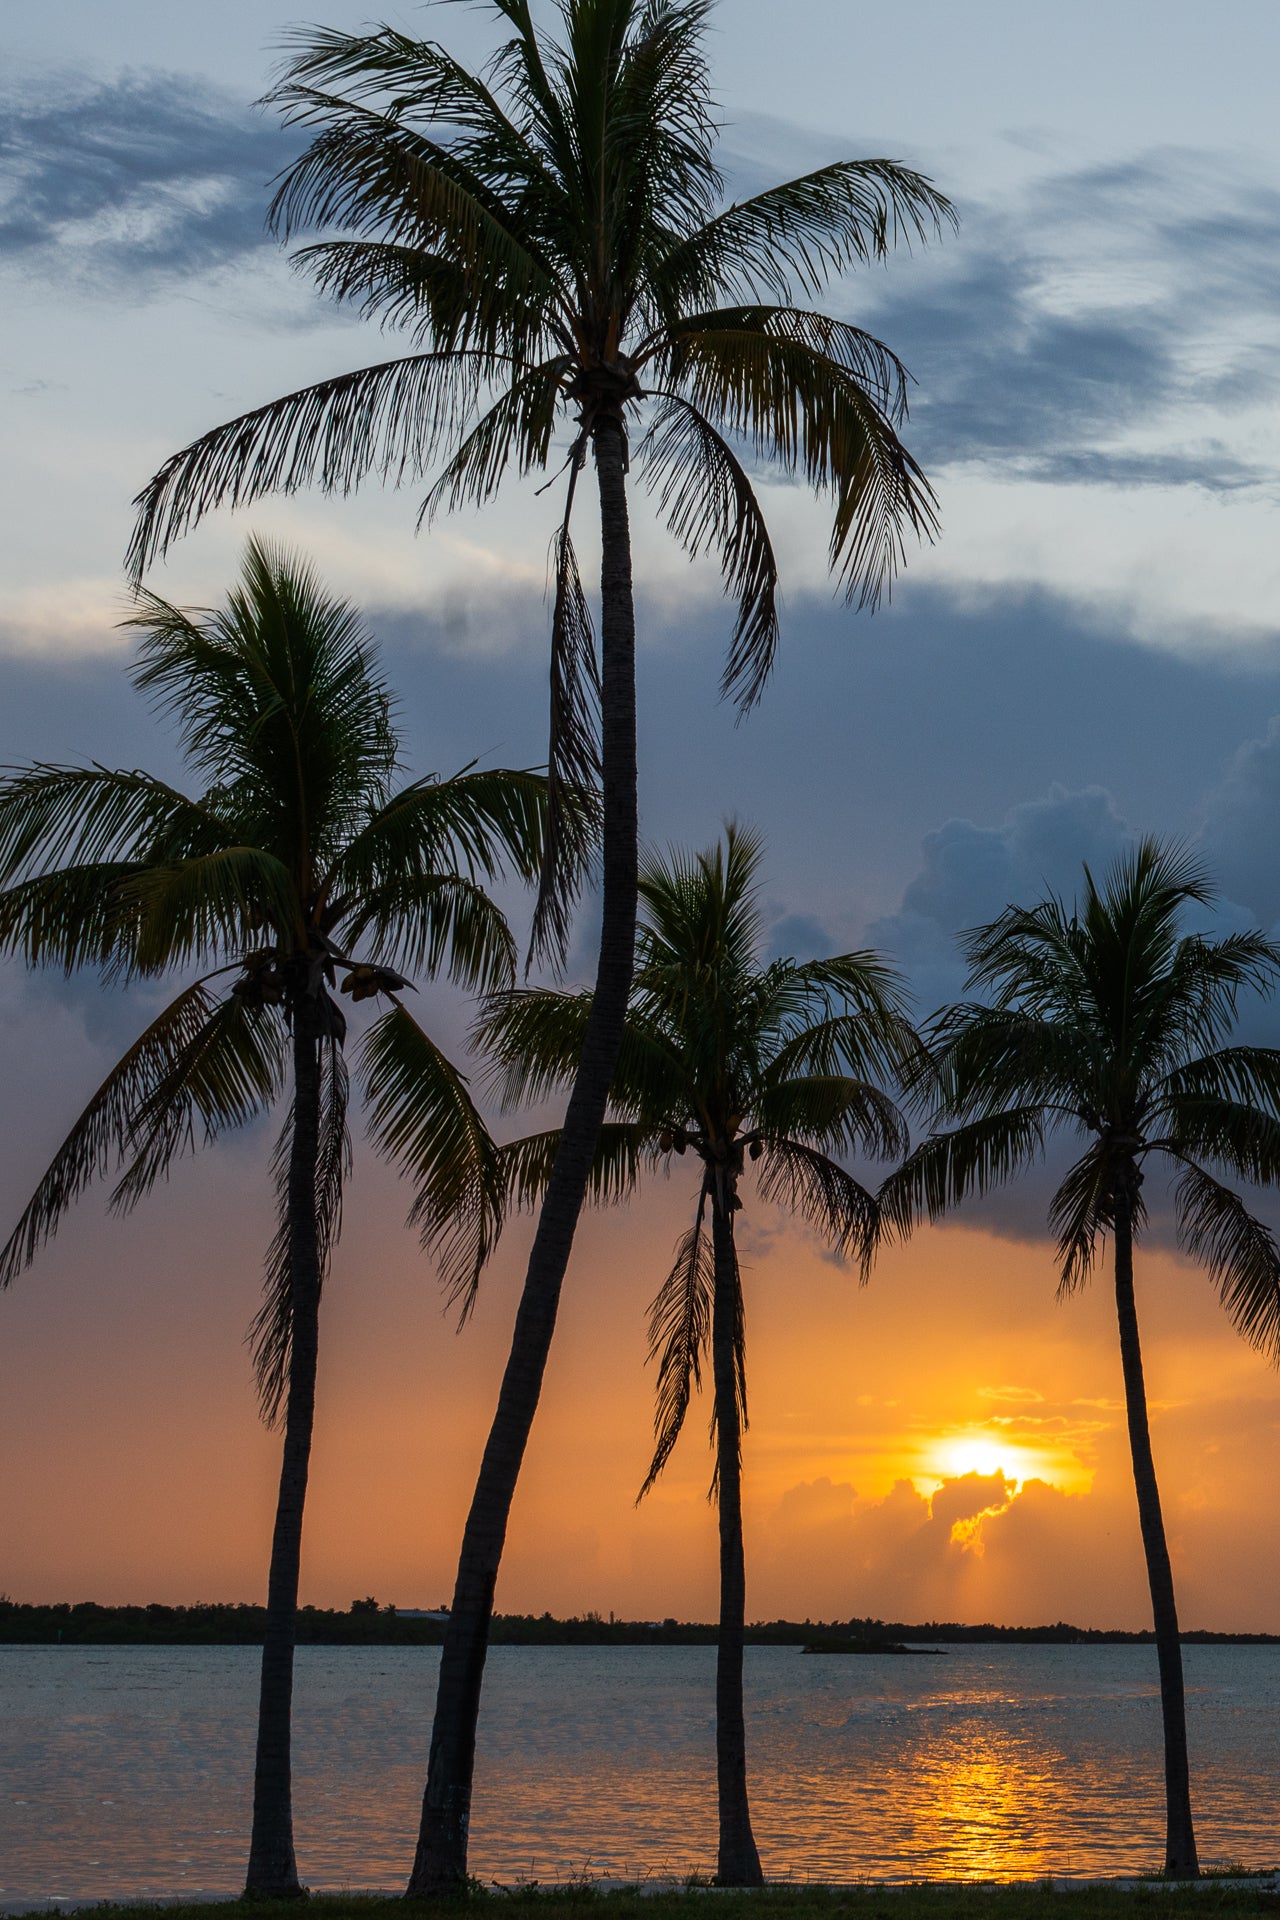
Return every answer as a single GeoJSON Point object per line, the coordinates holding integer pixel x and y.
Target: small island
{"type": "Point", "coordinates": [865, 1646]}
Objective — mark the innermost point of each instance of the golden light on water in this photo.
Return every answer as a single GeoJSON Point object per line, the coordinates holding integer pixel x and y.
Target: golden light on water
{"type": "Point", "coordinates": [984, 1809]}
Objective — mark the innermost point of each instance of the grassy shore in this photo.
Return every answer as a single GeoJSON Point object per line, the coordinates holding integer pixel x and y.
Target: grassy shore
{"type": "Point", "coordinates": [1024, 1900]}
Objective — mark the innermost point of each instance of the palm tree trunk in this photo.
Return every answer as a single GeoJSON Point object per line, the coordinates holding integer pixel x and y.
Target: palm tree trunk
{"type": "Point", "coordinates": [440, 1863]}
{"type": "Point", "coordinates": [272, 1868]}
{"type": "Point", "coordinates": [1180, 1840]}
{"type": "Point", "coordinates": [738, 1862]}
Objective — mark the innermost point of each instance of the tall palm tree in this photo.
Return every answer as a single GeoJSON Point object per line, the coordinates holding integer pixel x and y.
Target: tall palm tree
{"type": "Point", "coordinates": [783, 1066]}
{"type": "Point", "coordinates": [550, 237]}
{"type": "Point", "coordinates": [1110, 1023]}
{"type": "Point", "coordinates": [301, 860]}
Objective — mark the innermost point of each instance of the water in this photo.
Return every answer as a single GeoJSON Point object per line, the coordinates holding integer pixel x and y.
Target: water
{"type": "Point", "coordinates": [126, 1770]}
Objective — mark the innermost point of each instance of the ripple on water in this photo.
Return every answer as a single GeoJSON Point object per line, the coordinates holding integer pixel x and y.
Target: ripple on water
{"type": "Point", "coordinates": [126, 1771]}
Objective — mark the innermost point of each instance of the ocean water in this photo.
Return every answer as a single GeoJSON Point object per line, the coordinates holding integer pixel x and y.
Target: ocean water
{"type": "Point", "coordinates": [127, 1770]}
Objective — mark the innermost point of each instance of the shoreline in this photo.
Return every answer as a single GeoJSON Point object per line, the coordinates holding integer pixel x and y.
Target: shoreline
{"type": "Point", "coordinates": [1253, 1891]}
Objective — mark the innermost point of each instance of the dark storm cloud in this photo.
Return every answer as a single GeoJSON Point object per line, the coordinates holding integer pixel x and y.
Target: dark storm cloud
{"type": "Point", "coordinates": [137, 179]}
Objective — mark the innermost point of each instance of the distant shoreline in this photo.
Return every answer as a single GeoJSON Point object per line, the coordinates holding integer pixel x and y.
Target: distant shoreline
{"type": "Point", "coordinates": [367, 1623]}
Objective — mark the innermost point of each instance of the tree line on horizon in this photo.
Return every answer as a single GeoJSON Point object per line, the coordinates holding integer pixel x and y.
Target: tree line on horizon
{"type": "Point", "coordinates": [368, 1622]}
{"type": "Point", "coordinates": [551, 238]}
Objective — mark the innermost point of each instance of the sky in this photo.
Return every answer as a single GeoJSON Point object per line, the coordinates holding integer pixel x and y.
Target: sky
{"type": "Point", "coordinates": [1090, 650]}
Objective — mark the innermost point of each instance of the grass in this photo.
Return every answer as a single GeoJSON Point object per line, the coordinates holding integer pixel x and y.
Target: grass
{"type": "Point", "coordinates": [1023, 1900]}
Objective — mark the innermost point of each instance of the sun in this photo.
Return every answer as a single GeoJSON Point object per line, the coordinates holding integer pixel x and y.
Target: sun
{"type": "Point", "coordinates": [976, 1453]}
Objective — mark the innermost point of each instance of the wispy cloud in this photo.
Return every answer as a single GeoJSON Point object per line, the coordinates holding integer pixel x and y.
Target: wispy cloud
{"type": "Point", "coordinates": [133, 181]}
{"type": "Point", "coordinates": [1104, 328]}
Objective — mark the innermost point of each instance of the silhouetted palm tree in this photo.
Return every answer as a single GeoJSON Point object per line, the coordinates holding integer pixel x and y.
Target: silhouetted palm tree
{"type": "Point", "coordinates": [550, 237]}
{"type": "Point", "coordinates": [1109, 1022]}
{"type": "Point", "coordinates": [784, 1066]}
{"type": "Point", "coordinates": [300, 860]}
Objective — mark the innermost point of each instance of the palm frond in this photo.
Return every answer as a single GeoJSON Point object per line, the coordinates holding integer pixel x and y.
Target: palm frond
{"type": "Point", "coordinates": [987, 1059]}
{"type": "Point", "coordinates": [278, 699]}
{"type": "Point", "coordinates": [803, 232]}
{"type": "Point", "coordinates": [420, 75]}
{"type": "Point", "coordinates": [1195, 1003]}
{"type": "Point", "coordinates": [482, 822]}
{"type": "Point", "coordinates": [270, 1335]}
{"type": "Point", "coordinates": [808, 1183]}
{"type": "Point", "coordinates": [105, 1132]}
{"type": "Point", "coordinates": [533, 1037]}
{"type": "Point", "coordinates": [1238, 1134]}
{"type": "Point", "coordinates": [700, 916]}
{"type": "Point", "coordinates": [832, 1111]}
{"type": "Point", "coordinates": [615, 1168]}
{"type": "Point", "coordinates": [846, 1014]}
{"type": "Point", "coordinates": [758, 374]}
{"type": "Point", "coordinates": [223, 1075]}
{"type": "Point", "coordinates": [710, 504]}
{"type": "Point", "coordinates": [679, 1338]}
{"type": "Point", "coordinates": [1081, 1210]}
{"type": "Point", "coordinates": [518, 426]}
{"type": "Point", "coordinates": [79, 917]}
{"type": "Point", "coordinates": [390, 420]}
{"type": "Point", "coordinates": [1216, 1228]}
{"type": "Point", "coordinates": [58, 817]}
{"type": "Point", "coordinates": [947, 1167]}
{"type": "Point", "coordinates": [422, 1118]}
{"type": "Point", "coordinates": [659, 136]}
{"type": "Point", "coordinates": [369, 172]}
{"type": "Point", "coordinates": [573, 751]}
{"type": "Point", "coordinates": [1248, 1074]}
{"type": "Point", "coordinates": [432, 924]}
{"type": "Point", "coordinates": [211, 907]}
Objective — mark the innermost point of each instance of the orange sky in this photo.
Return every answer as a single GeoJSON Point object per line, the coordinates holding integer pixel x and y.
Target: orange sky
{"type": "Point", "coordinates": [947, 1443]}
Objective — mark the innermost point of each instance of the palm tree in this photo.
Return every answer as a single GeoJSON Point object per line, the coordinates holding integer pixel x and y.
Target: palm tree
{"type": "Point", "coordinates": [300, 860]}
{"type": "Point", "coordinates": [1110, 1023]}
{"type": "Point", "coordinates": [550, 237]}
{"type": "Point", "coordinates": [781, 1065]}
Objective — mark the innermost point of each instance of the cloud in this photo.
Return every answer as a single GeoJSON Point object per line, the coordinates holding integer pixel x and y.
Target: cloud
{"type": "Point", "coordinates": [133, 181]}
{"type": "Point", "coordinates": [1238, 827]}
{"type": "Point", "coordinates": [968, 1497]}
{"type": "Point", "coordinates": [981, 1548]}
{"type": "Point", "coordinates": [799, 936]}
{"type": "Point", "coordinates": [970, 873]}
{"type": "Point", "coordinates": [1101, 310]}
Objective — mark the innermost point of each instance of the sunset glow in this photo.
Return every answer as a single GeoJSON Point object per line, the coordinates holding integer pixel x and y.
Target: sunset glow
{"type": "Point", "coordinates": [976, 1453]}
{"type": "Point", "coordinates": [983, 1451]}
{"type": "Point", "coordinates": [1087, 653]}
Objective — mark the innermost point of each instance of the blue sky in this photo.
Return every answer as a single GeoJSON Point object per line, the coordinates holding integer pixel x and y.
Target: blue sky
{"type": "Point", "coordinates": [1091, 649]}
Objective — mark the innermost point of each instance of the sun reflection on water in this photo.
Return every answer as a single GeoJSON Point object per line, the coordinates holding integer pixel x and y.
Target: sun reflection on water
{"type": "Point", "coordinates": [125, 1769]}
{"type": "Point", "coordinates": [986, 1809]}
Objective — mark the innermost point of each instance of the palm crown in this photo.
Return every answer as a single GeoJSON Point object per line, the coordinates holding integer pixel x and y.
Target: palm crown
{"type": "Point", "coordinates": [550, 237]}
{"type": "Point", "coordinates": [300, 860]}
{"type": "Point", "coordinates": [783, 1065]}
{"type": "Point", "coordinates": [1110, 1022]}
